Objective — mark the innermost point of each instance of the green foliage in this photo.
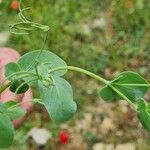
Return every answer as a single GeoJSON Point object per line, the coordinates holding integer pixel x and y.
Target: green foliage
{"type": "Point", "coordinates": [132, 85]}
{"type": "Point", "coordinates": [19, 86]}
{"type": "Point", "coordinates": [56, 93]}
{"type": "Point", "coordinates": [11, 68]}
{"type": "Point", "coordinates": [144, 118]}
{"type": "Point", "coordinates": [141, 104]}
{"type": "Point", "coordinates": [14, 111]}
{"type": "Point", "coordinates": [8, 111]}
{"type": "Point", "coordinates": [143, 114]}
{"type": "Point", "coordinates": [30, 60]}
{"type": "Point", "coordinates": [58, 99]}
{"type": "Point", "coordinates": [6, 131]}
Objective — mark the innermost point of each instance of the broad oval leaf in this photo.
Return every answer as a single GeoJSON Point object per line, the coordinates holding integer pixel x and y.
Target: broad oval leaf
{"type": "Point", "coordinates": [144, 118]}
{"type": "Point", "coordinates": [58, 99]}
{"type": "Point", "coordinates": [131, 84]}
{"type": "Point", "coordinates": [6, 131]}
{"type": "Point", "coordinates": [46, 57]}
{"type": "Point", "coordinates": [11, 68]}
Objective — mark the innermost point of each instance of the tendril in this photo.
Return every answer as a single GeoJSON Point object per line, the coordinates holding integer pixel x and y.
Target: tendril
{"type": "Point", "coordinates": [24, 27]}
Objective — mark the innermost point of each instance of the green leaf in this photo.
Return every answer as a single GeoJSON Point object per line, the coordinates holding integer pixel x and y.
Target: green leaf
{"type": "Point", "coordinates": [141, 104]}
{"type": "Point", "coordinates": [131, 84]}
{"type": "Point", "coordinates": [107, 94]}
{"type": "Point", "coordinates": [58, 99]}
{"type": "Point", "coordinates": [144, 118]}
{"type": "Point", "coordinates": [6, 131]}
{"type": "Point", "coordinates": [3, 108]}
{"type": "Point", "coordinates": [14, 112]}
{"type": "Point", "coordinates": [148, 106]}
{"type": "Point", "coordinates": [15, 84]}
{"type": "Point", "coordinates": [10, 104]}
{"type": "Point", "coordinates": [46, 57]}
{"type": "Point", "coordinates": [11, 68]}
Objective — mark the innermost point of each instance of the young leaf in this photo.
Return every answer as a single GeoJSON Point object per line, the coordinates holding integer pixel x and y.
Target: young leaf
{"type": "Point", "coordinates": [58, 99]}
{"type": "Point", "coordinates": [6, 131]}
{"type": "Point", "coordinates": [11, 68]}
{"type": "Point", "coordinates": [144, 118]}
{"type": "Point", "coordinates": [46, 57]}
{"type": "Point", "coordinates": [131, 84]}
{"type": "Point", "coordinates": [18, 83]}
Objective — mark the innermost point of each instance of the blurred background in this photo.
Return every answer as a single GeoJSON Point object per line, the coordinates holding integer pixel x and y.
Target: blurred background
{"type": "Point", "coordinates": [105, 37]}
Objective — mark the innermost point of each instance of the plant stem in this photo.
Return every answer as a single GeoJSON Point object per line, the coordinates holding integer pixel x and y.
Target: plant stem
{"type": "Point", "coordinates": [95, 77]}
{"type": "Point", "coordinates": [123, 96]}
{"type": "Point", "coordinates": [81, 71]}
{"type": "Point", "coordinates": [23, 102]}
{"type": "Point", "coordinates": [4, 87]}
{"type": "Point", "coordinates": [20, 103]}
{"type": "Point", "coordinates": [139, 85]}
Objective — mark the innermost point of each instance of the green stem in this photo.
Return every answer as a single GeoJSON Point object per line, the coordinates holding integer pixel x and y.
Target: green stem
{"type": "Point", "coordinates": [4, 87]}
{"type": "Point", "coordinates": [19, 73]}
{"type": "Point", "coordinates": [20, 103]}
{"type": "Point", "coordinates": [123, 96]}
{"type": "Point", "coordinates": [23, 102]}
{"type": "Point", "coordinates": [95, 77]}
{"type": "Point", "coordinates": [81, 71]}
{"type": "Point", "coordinates": [139, 85]}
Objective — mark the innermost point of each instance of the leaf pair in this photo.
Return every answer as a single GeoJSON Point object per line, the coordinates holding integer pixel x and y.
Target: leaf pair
{"type": "Point", "coordinates": [133, 87]}
{"type": "Point", "coordinates": [55, 92]}
{"type": "Point", "coordinates": [130, 84]}
{"type": "Point", "coordinates": [8, 113]}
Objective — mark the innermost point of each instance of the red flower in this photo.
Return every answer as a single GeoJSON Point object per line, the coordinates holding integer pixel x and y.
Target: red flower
{"type": "Point", "coordinates": [63, 137]}
{"type": "Point", "coordinates": [15, 5]}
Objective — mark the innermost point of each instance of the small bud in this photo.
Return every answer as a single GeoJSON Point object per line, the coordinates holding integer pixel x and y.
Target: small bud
{"type": "Point", "coordinates": [47, 82]}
